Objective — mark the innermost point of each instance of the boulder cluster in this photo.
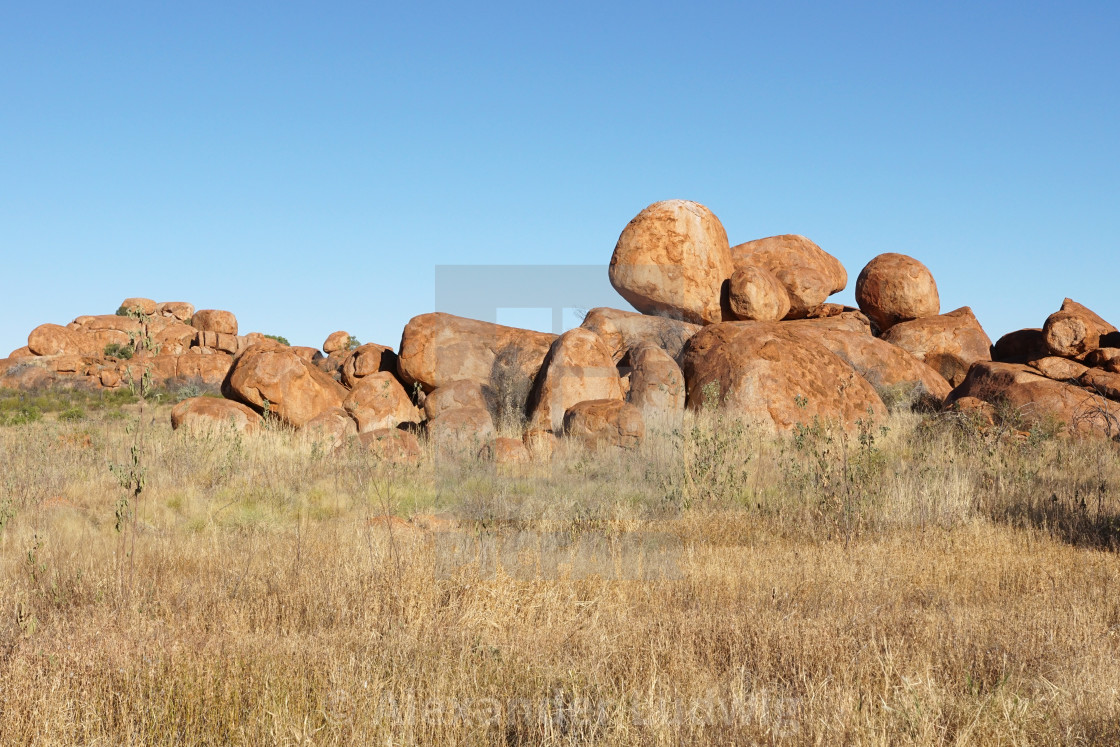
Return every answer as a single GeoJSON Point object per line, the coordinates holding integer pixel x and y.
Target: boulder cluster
{"type": "Point", "coordinates": [747, 328]}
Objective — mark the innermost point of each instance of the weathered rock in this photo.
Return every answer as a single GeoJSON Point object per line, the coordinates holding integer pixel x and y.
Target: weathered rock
{"type": "Point", "coordinates": [392, 445]}
{"type": "Point", "coordinates": [774, 377]}
{"type": "Point", "coordinates": [1074, 331]}
{"type": "Point", "coordinates": [215, 320]}
{"type": "Point", "coordinates": [1058, 369]}
{"type": "Point", "coordinates": [948, 343]}
{"type": "Point", "coordinates": [622, 330]}
{"type": "Point", "coordinates": [100, 322]}
{"type": "Point", "coordinates": [145, 306]}
{"type": "Point", "coordinates": [366, 360]}
{"type": "Point", "coordinates": [21, 353]}
{"type": "Point", "coordinates": [895, 288]}
{"type": "Point", "coordinates": [294, 389]}
{"type": "Point", "coordinates": [578, 367]}
{"type": "Point", "coordinates": [673, 260]}
{"type": "Point", "coordinates": [887, 367]}
{"type": "Point", "coordinates": [455, 394]}
{"type": "Point", "coordinates": [809, 274]}
{"type": "Point", "coordinates": [210, 369]}
{"type": "Point", "coordinates": [309, 354]}
{"type": "Point", "coordinates": [656, 381]}
{"type": "Point", "coordinates": [207, 413]}
{"type": "Point", "coordinates": [1102, 382]}
{"type": "Point", "coordinates": [175, 338]}
{"type": "Point", "coordinates": [25, 374]}
{"type": "Point", "coordinates": [379, 401]}
{"type": "Point", "coordinates": [333, 426]}
{"type": "Point", "coordinates": [218, 341]}
{"type": "Point", "coordinates": [829, 310]}
{"type": "Point", "coordinates": [438, 348]}
{"type": "Point", "coordinates": [605, 422]}
{"type": "Point", "coordinates": [159, 370]}
{"type": "Point", "coordinates": [1106, 358]}
{"type": "Point", "coordinates": [756, 294]}
{"type": "Point", "coordinates": [504, 451]}
{"type": "Point", "coordinates": [336, 341]}
{"type": "Point", "coordinates": [180, 310]}
{"type": "Point", "coordinates": [461, 426]}
{"type": "Point", "coordinates": [1020, 346]}
{"type": "Point", "coordinates": [1024, 394]}
{"type": "Point", "coordinates": [52, 339]}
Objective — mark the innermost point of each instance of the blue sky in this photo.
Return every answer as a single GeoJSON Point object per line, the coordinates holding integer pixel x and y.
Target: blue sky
{"type": "Point", "coordinates": [307, 166]}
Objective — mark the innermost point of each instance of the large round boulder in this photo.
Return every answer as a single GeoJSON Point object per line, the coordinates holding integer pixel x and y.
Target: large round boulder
{"type": "Point", "coordinates": [461, 426]}
{"type": "Point", "coordinates": [673, 260]}
{"type": "Point", "coordinates": [756, 294]}
{"type": "Point", "coordinates": [605, 422]}
{"type": "Point", "coordinates": [271, 375]}
{"type": "Point", "coordinates": [895, 288]}
{"type": "Point", "coordinates": [949, 343]}
{"type": "Point", "coordinates": [1074, 331]}
{"type": "Point", "coordinates": [336, 341]}
{"type": "Point", "coordinates": [439, 348]}
{"type": "Point", "coordinates": [771, 376]}
{"type": "Point", "coordinates": [578, 367]}
{"type": "Point", "coordinates": [210, 413]}
{"type": "Point", "coordinates": [1020, 346]}
{"type": "Point", "coordinates": [379, 401]}
{"type": "Point", "coordinates": [215, 320]}
{"type": "Point", "coordinates": [332, 427]}
{"type": "Point", "coordinates": [366, 360]}
{"type": "Point", "coordinates": [808, 273]}
{"type": "Point", "coordinates": [462, 393]}
{"type": "Point", "coordinates": [622, 330]}
{"type": "Point", "coordinates": [53, 339]}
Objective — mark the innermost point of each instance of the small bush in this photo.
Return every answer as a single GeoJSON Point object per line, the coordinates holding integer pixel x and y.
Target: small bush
{"type": "Point", "coordinates": [354, 343]}
{"type": "Point", "coordinates": [72, 415]}
{"type": "Point", "coordinates": [117, 350]}
{"type": "Point", "coordinates": [279, 338]}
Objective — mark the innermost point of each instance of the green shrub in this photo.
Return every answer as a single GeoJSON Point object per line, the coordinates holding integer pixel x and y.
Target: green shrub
{"type": "Point", "coordinates": [72, 415]}
{"type": "Point", "coordinates": [354, 343]}
{"type": "Point", "coordinates": [117, 350]}
{"type": "Point", "coordinates": [279, 338]}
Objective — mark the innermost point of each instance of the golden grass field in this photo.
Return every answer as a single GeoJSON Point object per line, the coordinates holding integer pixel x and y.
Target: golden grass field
{"type": "Point", "coordinates": [929, 584]}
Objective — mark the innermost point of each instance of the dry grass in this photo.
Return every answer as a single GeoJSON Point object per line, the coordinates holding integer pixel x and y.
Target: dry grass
{"type": "Point", "coordinates": [928, 585]}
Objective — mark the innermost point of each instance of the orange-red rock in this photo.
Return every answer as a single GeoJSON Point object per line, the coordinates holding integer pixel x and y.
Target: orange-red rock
{"type": "Point", "coordinates": [215, 320]}
{"type": "Point", "coordinates": [294, 389]}
{"type": "Point", "coordinates": [605, 422]}
{"type": "Point", "coordinates": [145, 306]}
{"type": "Point", "coordinates": [1074, 331]}
{"type": "Point", "coordinates": [622, 330]}
{"type": "Point", "coordinates": [379, 401]}
{"type": "Point", "coordinates": [366, 360]}
{"type": "Point", "coordinates": [333, 427]}
{"type": "Point", "coordinates": [656, 381]}
{"type": "Point", "coordinates": [504, 451]}
{"type": "Point", "coordinates": [210, 369]}
{"type": "Point", "coordinates": [1106, 358]}
{"type": "Point", "coordinates": [1058, 369]}
{"type": "Point", "coordinates": [895, 288]}
{"type": "Point", "coordinates": [948, 343]}
{"type": "Point", "coordinates": [392, 445]}
{"type": "Point", "coordinates": [756, 294]}
{"type": "Point", "coordinates": [578, 367]}
{"type": "Point", "coordinates": [461, 426]}
{"type": "Point", "coordinates": [1102, 382]}
{"type": "Point", "coordinates": [455, 394]}
{"type": "Point", "coordinates": [673, 260]}
{"type": "Point", "coordinates": [439, 348]}
{"type": "Point", "coordinates": [336, 341]}
{"type": "Point", "coordinates": [774, 377]}
{"type": "Point", "coordinates": [206, 413]}
{"type": "Point", "coordinates": [52, 339]}
{"type": "Point", "coordinates": [809, 274]}
{"type": "Point", "coordinates": [1020, 346]}
{"type": "Point", "coordinates": [179, 310]}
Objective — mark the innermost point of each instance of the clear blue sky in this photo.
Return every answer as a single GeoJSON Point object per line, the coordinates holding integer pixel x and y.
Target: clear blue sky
{"type": "Point", "coordinates": [307, 165]}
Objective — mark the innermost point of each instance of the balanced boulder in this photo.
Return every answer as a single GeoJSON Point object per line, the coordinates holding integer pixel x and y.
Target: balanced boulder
{"type": "Point", "coordinates": [949, 343]}
{"type": "Point", "coordinates": [771, 376]}
{"type": "Point", "coordinates": [336, 341]}
{"type": "Point", "coordinates": [207, 413]}
{"type": "Point", "coordinates": [756, 294]}
{"type": "Point", "coordinates": [272, 376]}
{"type": "Point", "coordinates": [578, 367]}
{"type": "Point", "coordinates": [215, 320]}
{"type": "Point", "coordinates": [673, 260]}
{"type": "Point", "coordinates": [140, 306]}
{"type": "Point", "coordinates": [808, 273]}
{"type": "Point", "coordinates": [366, 360]}
{"type": "Point", "coordinates": [1074, 331]}
{"type": "Point", "coordinates": [895, 288]}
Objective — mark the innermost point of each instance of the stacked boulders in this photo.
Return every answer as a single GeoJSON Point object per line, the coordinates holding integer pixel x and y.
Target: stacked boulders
{"type": "Point", "coordinates": [1064, 375]}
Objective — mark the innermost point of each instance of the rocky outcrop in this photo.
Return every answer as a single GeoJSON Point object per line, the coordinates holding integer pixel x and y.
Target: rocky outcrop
{"type": "Point", "coordinates": [210, 413]}
{"type": "Point", "coordinates": [895, 288]}
{"type": "Point", "coordinates": [1074, 331]}
{"type": "Point", "coordinates": [605, 422]}
{"type": "Point", "coordinates": [215, 320]}
{"type": "Point", "coordinates": [622, 330]}
{"type": "Point", "coordinates": [366, 360]}
{"type": "Point", "coordinates": [379, 401]}
{"type": "Point", "coordinates": [949, 343]}
{"type": "Point", "coordinates": [578, 367]}
{"type": "Point", "coordinates": [673, 260]}
{"type": "Point", "coordinates": [272, 376]}
{"type": "Point", "coordinates": [336, 341]}
{"type": "Point", "coordinates": [462, 393]}
{"type": "Point", "coordinates": [774, 377]}
{"type": "Point", "coordinates": [656, 381]}
{"type": "Point", "coordinates": [51, 339]}
{"type": "Point", "coordinates": [1058, 369]}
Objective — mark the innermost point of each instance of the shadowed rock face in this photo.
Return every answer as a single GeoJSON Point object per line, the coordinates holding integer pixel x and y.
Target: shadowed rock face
{"type": "Point", "coordinates": [895, 288]}
{"type": "Point", "coordinates": [578, 367]}
{"type": "Point", "coordinates": [204, 413]}
{"type": "Point", "coordinates": [656, 381]}
{"type": "Point", "coordinates": [605, 422]}
{"type": "Point", "coordinates": [437, 349]}
{"type": "Point", "coordinates": [622, 330]}
{"type": "Point", "coordinates": [366, 360]}
{"type": "Point", "coordinates": [1020, 346]}
{"type": "Point", "coordinates": [949, 343]}
{"type": "Point", "coordinates": [295, 389]}
{"type": "Point", "coordinates": [773, 376]}
{"type": "Point", "coordinates": [1031, 398]}
{"type": "Point", "coordinates": [673, 259]}
{"type": "Point", "coordinates": [808, 273]}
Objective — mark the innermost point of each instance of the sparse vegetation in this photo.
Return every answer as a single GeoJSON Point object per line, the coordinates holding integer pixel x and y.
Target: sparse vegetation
{"type": "Point", "coordinates": [119, 350]}
{"type": "Point", "coordinates": [279, 338]}
{"type": "Point", "coordinates": [921, 581]}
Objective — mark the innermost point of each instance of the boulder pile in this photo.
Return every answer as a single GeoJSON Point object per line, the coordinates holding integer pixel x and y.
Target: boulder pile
{"type": "Point", "coordinates": [747, 328]}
